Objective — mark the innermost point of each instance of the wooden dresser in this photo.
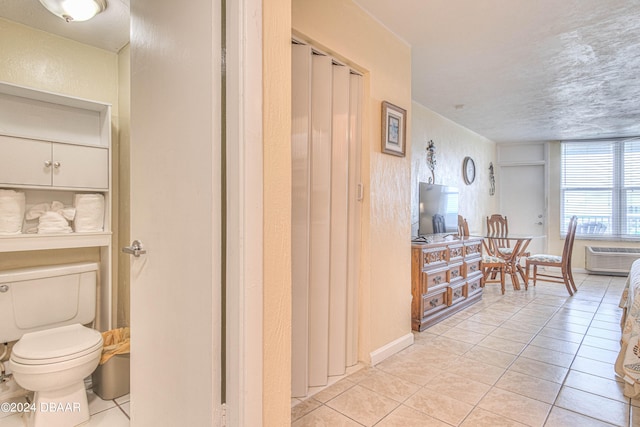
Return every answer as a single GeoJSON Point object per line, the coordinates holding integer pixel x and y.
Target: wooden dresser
{"type": "Point", "coordinates": [446, 277]}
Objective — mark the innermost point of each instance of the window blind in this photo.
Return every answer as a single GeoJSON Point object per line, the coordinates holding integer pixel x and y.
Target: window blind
{"type": "Point", "coordinates": [600, 183]}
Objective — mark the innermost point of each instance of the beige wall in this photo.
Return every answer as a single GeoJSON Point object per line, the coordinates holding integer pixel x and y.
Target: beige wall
{"type": "Point", "coordinates": [344, 30]}
{"type": "Point", "coordinates": [41, 60]}
{"type": "Point", "coordinates": [276, 396]}
{"type": "Point", "coordinates": [122, 186]}
{"type": "Point", "coordinates": [453, 143]}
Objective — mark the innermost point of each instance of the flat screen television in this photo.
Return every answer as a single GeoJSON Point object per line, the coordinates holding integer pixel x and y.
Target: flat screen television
{"type": "Point", "coordinates": [438, 205]}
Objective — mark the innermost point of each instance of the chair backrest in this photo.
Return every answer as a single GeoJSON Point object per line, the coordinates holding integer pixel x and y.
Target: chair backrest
{"type": "Point", "coordinates": [463, 226]}
{"type": "Point", "coordinates": [567, 251]}
{"type": "Point", "coordinates": [438, 224]}
{"type": "Point", "coordinates": [498, 226]}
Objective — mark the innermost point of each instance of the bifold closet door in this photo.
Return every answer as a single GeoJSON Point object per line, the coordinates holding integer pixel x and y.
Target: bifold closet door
{"type": "Point", "coordinates": [300, 168]}
{"type": "Point", "coordinates": [339, 221]}
{"type": "Point", "coordinates": [325, 162]}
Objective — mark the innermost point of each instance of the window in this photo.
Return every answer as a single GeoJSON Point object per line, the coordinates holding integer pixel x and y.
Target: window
{"type": "Point", "coordinates": [601, 185]}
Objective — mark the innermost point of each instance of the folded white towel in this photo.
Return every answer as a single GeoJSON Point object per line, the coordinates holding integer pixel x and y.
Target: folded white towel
{"type": "Point", "coordinates": [53, 222]}
{"type": "Point", "coordinates": [12, 205]}
{"type": "Point", "coordinates": [52, 218]}
{"type": "Point", "coordinates": [89, 213]}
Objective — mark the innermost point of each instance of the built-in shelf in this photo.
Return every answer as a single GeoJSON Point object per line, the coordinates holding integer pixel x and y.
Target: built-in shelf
{"type": "Point", "coordinates": [36, 242]}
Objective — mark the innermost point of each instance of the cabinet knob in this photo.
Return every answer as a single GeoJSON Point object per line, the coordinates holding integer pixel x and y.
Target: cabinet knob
{"type": "Point", "coordinates": [47, 163]}
{"type": "Point", "coordinates": [56, 164]}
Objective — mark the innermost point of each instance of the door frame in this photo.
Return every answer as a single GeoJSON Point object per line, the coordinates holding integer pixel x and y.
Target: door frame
{"type": "Point", "coordinates": [244, 213]}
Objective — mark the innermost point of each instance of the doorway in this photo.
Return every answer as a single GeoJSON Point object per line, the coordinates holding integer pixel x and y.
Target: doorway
{"type": "Point", "coordinates": [523, 201]}
{"type": "Point", "coordinates": [326, 144]}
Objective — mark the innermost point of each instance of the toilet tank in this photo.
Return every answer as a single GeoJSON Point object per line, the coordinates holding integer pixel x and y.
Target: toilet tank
{"type": "Point", "coordinates": [33, 299]}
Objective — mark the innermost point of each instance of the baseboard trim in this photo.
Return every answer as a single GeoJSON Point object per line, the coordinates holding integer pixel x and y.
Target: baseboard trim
{"type": "Point", "coordinates": [390, 349]}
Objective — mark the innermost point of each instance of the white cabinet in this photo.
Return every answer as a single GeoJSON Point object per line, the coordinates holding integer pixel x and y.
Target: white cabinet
{"type": "Point", "coordinates": [52, 147]}
{"type": "Point", "coordinates": [28, 162]}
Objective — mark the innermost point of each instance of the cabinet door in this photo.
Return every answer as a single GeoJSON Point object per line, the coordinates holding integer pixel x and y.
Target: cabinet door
{"type": "Point", "coordinates": [22, 161]}
{"type": "Point", "coordinates": [80, 166]}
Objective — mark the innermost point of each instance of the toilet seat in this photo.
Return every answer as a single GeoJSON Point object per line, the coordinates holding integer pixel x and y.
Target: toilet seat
{"type": "Point", "coordinates": [56, 345]}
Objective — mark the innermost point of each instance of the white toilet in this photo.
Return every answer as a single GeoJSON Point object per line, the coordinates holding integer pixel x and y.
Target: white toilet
{"type": "Point", "coordinates": [44, 309]}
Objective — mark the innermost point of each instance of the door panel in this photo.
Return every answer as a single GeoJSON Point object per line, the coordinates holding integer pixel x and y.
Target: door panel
{"type": "Point", "coordinates": [300, 80]}
{"type": "Point", "coordinates": [339, 221]}
{"type": "Point", "coordinates": [176, 213]}
{"type": "Point", "coordinates": [523, 201]}
{"type": "Point", "coordinates": [320, 216]}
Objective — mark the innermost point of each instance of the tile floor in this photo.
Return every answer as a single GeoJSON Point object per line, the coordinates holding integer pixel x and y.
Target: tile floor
{"type": "Point", "coordinates": [528, 358]}
{"type": "Point", "coordinates": [104, 413]}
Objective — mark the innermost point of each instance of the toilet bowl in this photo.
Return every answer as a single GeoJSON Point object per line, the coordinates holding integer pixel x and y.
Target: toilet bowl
{"type": "Point", "coordinates": [44, 309]}
{"type": "Point", "coordinates": [53, 363]}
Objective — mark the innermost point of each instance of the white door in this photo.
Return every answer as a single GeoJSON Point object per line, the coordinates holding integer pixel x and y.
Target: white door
{"type": "Point", "coordinates": [523, 201]}
{"type": "Point", "coordinates": [176, 213]}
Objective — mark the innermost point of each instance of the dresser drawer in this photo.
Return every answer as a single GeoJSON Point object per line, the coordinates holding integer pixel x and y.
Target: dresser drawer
{"type": "Point", "coordinates": [456, 293]}
{"type": "Point", "coordinates": [432, 278]}
{"type": "Point", "coordinates": [473, 248]}
{"type": "Point", "coordinates": [472, 266]}
{"type": "Point", "coordinates": [456, 253]}
{"type": "Point", "coordinates": [433, 257]}
{"type": "Point", "coordinates": [456, 272]}
{"type": "Point", "coordinates": [474, 285]}
{"type": "Point", "coordinates": [435, 300]}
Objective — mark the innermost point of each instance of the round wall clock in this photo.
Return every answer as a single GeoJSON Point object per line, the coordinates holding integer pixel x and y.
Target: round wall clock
{"type": "Point", "coordinates": [468, 170]}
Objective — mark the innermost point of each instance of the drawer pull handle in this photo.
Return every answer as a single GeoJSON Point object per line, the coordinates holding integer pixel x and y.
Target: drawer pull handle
{"type": "Point", "coordinates": [473, 267]}
{"type": "Point", "coordinates": [455, 273]}
{"type": "Point", "coordinates": [433, 302]}
{"type": "Point", "coordinates": [457, 294]}
{"type": "Point", "coordinates": [437, 280]}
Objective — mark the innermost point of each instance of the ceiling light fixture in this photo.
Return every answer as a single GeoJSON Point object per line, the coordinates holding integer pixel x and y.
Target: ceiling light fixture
{"type": "Point", "coordinates": [75, 10]}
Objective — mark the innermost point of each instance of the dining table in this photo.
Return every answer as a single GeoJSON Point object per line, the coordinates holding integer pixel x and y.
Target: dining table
{"type": "Point", "coordinates": [511, 248]}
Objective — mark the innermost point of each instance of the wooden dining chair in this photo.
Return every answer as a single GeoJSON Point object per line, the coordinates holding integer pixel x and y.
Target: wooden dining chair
{"type": "Point", "coordinates": [463, 227]}
{"type": "Point", "coordinates": [498, 226]}
{"type": "Point", "coordinates": [492, 266]}
{"type": "Point", "coordinates": [562, 262]}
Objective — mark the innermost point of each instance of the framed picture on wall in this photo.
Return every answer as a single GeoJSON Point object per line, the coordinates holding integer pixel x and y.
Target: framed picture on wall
{"type": "Point", "coordinates": [394, 127]}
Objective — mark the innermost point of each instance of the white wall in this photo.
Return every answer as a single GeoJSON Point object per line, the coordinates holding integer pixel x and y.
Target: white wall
{"type": "Point", "coordinates": [453, 143]}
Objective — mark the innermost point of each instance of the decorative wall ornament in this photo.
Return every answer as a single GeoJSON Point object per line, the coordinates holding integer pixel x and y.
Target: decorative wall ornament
{"type": "Point", "coordinates": [468, 170]}
{"type": "Point", "coordinates": [394, 129]}
{"type": "Point", "coordinates": [431, 160]}
{"type": "Point", "coordinates": [492, 180]}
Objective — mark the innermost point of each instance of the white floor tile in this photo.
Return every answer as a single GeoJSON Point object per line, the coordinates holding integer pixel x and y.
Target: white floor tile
{"type": "Point", "coordinates": [113, 417]}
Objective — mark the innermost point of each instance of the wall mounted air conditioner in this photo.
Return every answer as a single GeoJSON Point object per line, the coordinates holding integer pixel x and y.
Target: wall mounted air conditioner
{"type": "Point", "coordinates": [610, 260]}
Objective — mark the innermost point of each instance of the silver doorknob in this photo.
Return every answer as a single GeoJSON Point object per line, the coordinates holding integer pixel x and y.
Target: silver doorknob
{"type": "Point", "coordinates": [56, 164]}
{"type": "Point", "coordinates": [136, 249]}
{"type": "Point", "coordinates": [47, 163]}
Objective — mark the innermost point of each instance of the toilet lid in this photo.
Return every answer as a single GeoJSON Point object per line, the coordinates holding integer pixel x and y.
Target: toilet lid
{"type": "Point", "coordinates": [56, 345]}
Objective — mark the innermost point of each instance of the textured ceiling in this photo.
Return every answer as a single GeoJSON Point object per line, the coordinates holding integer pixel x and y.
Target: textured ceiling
{"type": "Point", "coordinates": [510, 70]}
{"type": "Point", "coordinates": [523, 70]}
